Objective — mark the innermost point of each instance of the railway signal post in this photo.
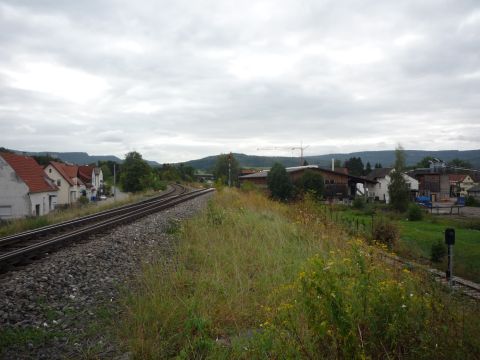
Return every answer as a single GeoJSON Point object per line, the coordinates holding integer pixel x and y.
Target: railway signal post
{"type": "Point", "coordinates": [450, 241]}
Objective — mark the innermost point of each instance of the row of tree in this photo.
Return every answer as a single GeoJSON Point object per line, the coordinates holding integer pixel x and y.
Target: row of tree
{"type": "Point", "coordinates": [356, 167]}
{"type": "Point", "coordinates": [137, 175]}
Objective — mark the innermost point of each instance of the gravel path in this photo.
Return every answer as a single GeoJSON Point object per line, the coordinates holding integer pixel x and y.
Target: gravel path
{"type": "Point", "coordinates": [57, 301]}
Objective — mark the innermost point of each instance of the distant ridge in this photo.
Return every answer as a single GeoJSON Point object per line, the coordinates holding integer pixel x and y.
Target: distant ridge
{"type": "Point", "coordinates": [385, 157]}
{"type": "Point", "coordinates": [79, 158]}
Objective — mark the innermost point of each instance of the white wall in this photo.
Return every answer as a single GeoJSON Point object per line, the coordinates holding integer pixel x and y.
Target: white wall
{"type": "Point", "coordinates": [43, 199]}
{"type": "Point", "coordinates": [380, 189]}
{"type": "Point", "coordinates": [14, 199]}
{"type": "Point", "coordinates": [63, 194]}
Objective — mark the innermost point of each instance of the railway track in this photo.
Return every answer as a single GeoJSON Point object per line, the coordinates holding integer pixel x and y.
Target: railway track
{"type": "Point", "coordinates": [466, 287]}
{"type": "Point", "coordinates": [26, 246]}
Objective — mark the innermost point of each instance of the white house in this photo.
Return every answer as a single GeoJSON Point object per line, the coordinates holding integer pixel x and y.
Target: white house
{"type": "Point", "coordinates": [25, 190]}
{"type": "Point", "coordinates": [70, 186]}
{"type": "Point", "coordinates": [379, 190]}
{"type": "Point", "coordinates": [92, 177]}
{"type": "Point", "coordinates": [460, 184]}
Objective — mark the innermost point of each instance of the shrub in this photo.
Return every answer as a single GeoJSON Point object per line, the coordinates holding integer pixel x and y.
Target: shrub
{"type": "Point", "coordinates": [414, 212]}
{"type": "Point", "coordinates": [83, 200]}
{"type": "Point", "coordinates": [385, 231]}
{"type": "Point", "coordinates": [438, 251]}
{"type": "Point", "coordinates": [359, 203]}
{"type": "Point", "coordinates": [471, 201]}
{"type": "Point", "coordinates": [347, 306]}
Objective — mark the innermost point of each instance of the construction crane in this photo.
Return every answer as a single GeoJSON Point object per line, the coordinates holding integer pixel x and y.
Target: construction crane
{"type": "Point", "coordinates": [292, 148]}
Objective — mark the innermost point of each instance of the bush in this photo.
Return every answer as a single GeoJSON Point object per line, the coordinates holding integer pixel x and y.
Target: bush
{"type": "Point", "coordinates": [414, 213]}
{"type": "Point", "coordinates": [438, 251]}
{"type": "Point", "coordinates": [385, 231]}
{"type": "Point", "coordinates": [471, 201]}
{"type": "Point", "coordinates": [359, 203]}
{"type": "Point", "coordinates": [83, 200]}
{"type": "Point", "coordinates": [347, 306]}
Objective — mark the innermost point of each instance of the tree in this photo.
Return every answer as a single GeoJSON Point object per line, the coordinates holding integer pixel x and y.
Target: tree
{"type": "Point", "coordinates": [354, 166]}
{"type": "Point", "coordinates": [5, 150]}
{"type": "Point", "coordinates": [221, 168]}
{"type": "Point", "coordinates": [460, 163]}
{"type": "Point", "coordinates": [135, 173]}
{"type": "Point", "coordinates": [378, 165]}
{"type": "Point", "coordinates": [398, 188]}
{"type": "Point", "coordinates": [186, 172]}
{"type": "Point", "coordinates": [312, 181]}
{"type": "Point", "coordinates": [425, 162]}
{"type": "Point", "coordinates": [44, 160]}
{"type": "Point", "coordinates": [368, 169]}
{"type": "Point", "coordinates": [107, 167]}
{"type": "Point", "coordinates": [279, 183]}
{"type": "Point", "coordinates": [305, 163]}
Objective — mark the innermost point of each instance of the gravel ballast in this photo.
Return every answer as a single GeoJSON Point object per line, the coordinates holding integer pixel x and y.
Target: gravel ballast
{"type": "Point", "coordinates": [56, 301]}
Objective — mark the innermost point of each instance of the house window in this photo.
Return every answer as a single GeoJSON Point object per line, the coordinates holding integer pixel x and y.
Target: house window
{"type": "Point", "coordinates": [50, 171]}
{"type": "Point", "coordinates": [59, 182]}
{"type": "Point", "coordinates": [5, 211]}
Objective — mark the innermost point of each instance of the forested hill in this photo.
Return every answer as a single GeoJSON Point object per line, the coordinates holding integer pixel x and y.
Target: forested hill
{"type": "Point", "coordinates": [79, 158]}
{"type": "Point", "coordinates": [386, 158]}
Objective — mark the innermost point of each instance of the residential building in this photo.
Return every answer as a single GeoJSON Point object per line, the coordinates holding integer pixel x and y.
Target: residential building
{"type": "Point", "coordinates": [92, 177]}
{"type": "Point", "coordinates": [381, 179]}
{"type": "Point", "coordinates": [70, 186]}
{"type": "Point", "coordinates": [25, 190]}
{"type": "Point", "coordinates": [459, 184]}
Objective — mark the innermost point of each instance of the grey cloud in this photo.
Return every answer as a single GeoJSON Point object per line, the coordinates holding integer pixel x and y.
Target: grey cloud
{"type": "Point", "coordinates": [191, 79]}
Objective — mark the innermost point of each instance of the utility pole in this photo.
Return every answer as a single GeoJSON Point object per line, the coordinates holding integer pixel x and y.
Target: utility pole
{"type": "Point", "coordinates": [230, 170]}
{"type": "Point", "coordinates": [114, 184]}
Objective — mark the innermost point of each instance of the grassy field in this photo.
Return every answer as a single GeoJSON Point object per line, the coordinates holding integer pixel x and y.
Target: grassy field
{"type": "Point", "coordinates": [417, 238]}
{"type": "Point", "coordinates": [256, 279]}
{"type": "Point", "coordinates": [19, 225]}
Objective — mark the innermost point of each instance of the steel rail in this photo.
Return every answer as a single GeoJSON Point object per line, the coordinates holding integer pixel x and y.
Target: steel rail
{"type": "Point", "coordinates": [28, 251]}
{"type": "Point", "coordinates": [29, 234]}
{"type": "Point", "coordinates": [467, 287]}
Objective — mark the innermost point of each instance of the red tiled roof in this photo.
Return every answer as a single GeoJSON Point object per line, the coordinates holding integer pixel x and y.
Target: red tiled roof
{"type": "Point", "coordinates": [85, 172]}
{"type": "Point", "coordinates": [456, 177]}
{"type": "Point", "coordinates": [30, 172]}
{"type": "Point", "coordinates": [67, 171]}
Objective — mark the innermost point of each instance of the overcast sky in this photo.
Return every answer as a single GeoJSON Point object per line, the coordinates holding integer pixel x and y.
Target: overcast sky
{"type": "Point", "coordinates": [179, 80]}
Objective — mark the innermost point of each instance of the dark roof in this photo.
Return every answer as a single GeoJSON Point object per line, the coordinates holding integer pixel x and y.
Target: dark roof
{"type": "Point", "coordinates": [30, 172]}
{"type": "Point", "coordinates": [378, 173]}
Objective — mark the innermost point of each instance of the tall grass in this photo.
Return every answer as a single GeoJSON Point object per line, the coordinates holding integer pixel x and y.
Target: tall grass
{"type": "Point", "coordinates": [252, 278]}
{"type": "Point", "coordinates": [59, 215]}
